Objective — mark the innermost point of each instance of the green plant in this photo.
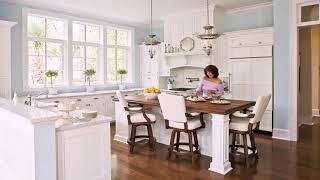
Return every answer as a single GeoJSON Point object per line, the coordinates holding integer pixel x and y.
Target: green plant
{"type": "Point", "coordinates": [89, 74]}
{"type": "Point", "coordinates": [122, 72]}
{"type": "Point", "coordinates": [51, 74]}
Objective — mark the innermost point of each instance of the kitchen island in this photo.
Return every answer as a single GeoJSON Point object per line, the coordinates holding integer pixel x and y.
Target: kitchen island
{"type": "Point", "coordinates": [36, 144]}
{"type": "Point", "coordinates": [213, 140]}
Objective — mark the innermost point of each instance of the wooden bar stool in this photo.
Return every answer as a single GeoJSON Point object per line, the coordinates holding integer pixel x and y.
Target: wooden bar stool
{"type": "Point", "coordinates": [245, 125]}
{"type": "Point", "coordinates": [176, 118]}
{"type": "Point", "coordinates": [136, 117]}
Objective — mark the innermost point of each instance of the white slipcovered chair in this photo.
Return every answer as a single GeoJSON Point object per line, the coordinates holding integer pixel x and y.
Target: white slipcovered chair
{"type": "Point", "coordinates": [174, 112]}
{"type": "Point", "coordinates": [137, 116]}
{"type": "Point", "coordinates": [244, 124]}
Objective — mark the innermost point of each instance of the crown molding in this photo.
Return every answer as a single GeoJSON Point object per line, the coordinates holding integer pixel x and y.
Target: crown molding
{"type": "Point", "coordinates": [248, 8]}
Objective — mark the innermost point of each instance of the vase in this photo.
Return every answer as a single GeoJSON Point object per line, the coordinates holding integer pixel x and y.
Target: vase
{"type": "Point", "coordinates": [90, 89]}
{"type": "Point", "coordinates": [52, 91]}
{"type": "Point", "coordinates": [121, 86]}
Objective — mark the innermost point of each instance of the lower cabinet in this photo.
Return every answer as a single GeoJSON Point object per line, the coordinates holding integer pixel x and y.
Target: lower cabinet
{"type": "Point", "coordinates": [84, 153]}
{"type": "Point", "coordinates": [103, 103]}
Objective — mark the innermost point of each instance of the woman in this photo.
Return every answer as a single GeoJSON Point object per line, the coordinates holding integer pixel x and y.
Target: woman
{"type": "Point", "coordinates": [210, 83]}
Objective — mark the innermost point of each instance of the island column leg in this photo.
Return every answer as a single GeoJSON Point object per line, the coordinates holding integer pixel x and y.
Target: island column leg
{"type": "Point", "coordinates": [220, 144]}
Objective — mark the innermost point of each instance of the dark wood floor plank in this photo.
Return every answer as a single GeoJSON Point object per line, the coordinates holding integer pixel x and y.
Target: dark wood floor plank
{"type": "Point", "coordinates": [279, 160]}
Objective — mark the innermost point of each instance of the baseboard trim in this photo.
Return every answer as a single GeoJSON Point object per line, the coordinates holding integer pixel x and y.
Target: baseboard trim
{"type": "Point", "coordinates": [282, 134]}
{"type": "Point", "coordinates": [315, 112]}
{"type": "Point", "coordinates": [120, 139]}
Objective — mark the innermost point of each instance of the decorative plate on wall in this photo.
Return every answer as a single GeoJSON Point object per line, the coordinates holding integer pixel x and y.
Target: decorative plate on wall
{"type": "Point", "coordinates": [187, 44]}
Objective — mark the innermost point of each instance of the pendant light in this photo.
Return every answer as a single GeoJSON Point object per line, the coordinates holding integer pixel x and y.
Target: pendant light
{"type": "Point", "coordinates": [151, 41]}
{"type": "Point", "coordinates": [208, 35]}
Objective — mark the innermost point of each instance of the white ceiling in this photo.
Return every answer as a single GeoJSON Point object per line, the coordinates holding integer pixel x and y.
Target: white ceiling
{"type": "Point", "coordinates": [135, 12]}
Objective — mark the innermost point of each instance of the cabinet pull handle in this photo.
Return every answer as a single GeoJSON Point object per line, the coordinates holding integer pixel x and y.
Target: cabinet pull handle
{"type": "Point", "coordinates": [78, 99]}
{"type": "Point", "coordinates": [56, 101]}
{"type": "Point", "coordinates": [87, 104]}
{"type": "Point", "coordinates": [260, 42]}
{"type": "Point", "coordinates": [95, 98]}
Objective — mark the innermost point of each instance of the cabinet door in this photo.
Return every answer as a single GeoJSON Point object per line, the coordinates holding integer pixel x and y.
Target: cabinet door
{"type": "Point", "coordinates": [149, 80]}
{"type": "Point", "coordinates": [241, 92]}
{"type": "Point", "coordinates": [261, 51]}
{"type": "Point", "coordinates": [240, 52]}
{"type": "Point", "coordinates": [241, 71]}
{"type": "Point", "coordinates": [84, 153]}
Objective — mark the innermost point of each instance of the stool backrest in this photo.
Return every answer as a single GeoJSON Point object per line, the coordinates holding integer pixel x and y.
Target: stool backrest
{"type": "Point", "coordinates": [123, 102]}
{"type": "Point", "coordinates": [173, 107]}
{"type": "Point", "coordinates": [260, 108]}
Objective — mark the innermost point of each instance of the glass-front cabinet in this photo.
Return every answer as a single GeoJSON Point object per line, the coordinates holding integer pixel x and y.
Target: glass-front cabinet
{"type": "Point", "coordinates": [308, 13]}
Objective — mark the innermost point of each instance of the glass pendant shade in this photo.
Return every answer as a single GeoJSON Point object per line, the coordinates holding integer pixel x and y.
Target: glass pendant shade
{"type": "Point", "coordinates": [151, 41]}
{"type": "Point", "coordinates": [208, 35]}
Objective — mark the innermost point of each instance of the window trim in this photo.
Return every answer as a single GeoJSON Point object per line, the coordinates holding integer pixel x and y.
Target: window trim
{"type": "Point", "coordinates": [67, 84]}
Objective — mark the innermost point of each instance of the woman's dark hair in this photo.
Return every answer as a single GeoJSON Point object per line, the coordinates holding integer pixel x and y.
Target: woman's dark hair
{"type": "Point", "coordinates": [213, 69]}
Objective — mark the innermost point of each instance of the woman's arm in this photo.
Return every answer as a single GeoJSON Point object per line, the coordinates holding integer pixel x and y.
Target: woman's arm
{"type": "Point", "coordinates": [199, 90]}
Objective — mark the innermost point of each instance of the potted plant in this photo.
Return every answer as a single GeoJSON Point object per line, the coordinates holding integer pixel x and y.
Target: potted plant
{"type": "Point", "coordinates": [52, 74]}
{"type": "Point", "coordinates": [121, 72]}
{"type": "Point", "coordinates": [89, 74]}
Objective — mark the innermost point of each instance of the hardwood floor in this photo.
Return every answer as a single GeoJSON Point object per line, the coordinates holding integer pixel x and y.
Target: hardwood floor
{"type": "Point", "coordinates": [279, 160]}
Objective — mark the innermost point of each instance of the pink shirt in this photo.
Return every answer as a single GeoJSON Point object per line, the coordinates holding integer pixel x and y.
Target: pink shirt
{"type": "Point", "coordinates": [206, 85]}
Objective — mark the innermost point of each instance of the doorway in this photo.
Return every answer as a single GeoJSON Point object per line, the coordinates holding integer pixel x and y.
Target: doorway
{"type": "Point", "coordinates": [309, 72]}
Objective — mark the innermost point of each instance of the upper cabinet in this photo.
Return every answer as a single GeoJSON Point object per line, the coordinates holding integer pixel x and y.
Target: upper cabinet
{"type": "Point", "coordinates": [308, 13]}
{"type": "Point", "coordinates": [186, 24]}
{"type": "Point", "coordinates": [250, 43]}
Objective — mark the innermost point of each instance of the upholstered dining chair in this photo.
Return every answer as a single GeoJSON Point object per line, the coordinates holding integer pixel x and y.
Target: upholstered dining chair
{"type": "Point", "coordinates": [244, 124]}
{"type": "Point", "coordinates": [174, 112]}
{"type": "Point", "coordinates": [136, 117]}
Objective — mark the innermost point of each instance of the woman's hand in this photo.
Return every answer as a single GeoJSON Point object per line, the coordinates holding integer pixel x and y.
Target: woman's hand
{"type": "Point", "coordinates": [196, 93]}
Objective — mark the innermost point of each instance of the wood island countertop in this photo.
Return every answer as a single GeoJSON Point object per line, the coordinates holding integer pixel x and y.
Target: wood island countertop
{"type": "Point", "coordinates": [205, 107]}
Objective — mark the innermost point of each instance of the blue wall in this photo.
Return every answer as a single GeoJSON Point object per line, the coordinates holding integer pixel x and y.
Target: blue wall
{"type": "Point", "coordinates": [256, 18]}
{"type": "Point", "coordinates": [281, 63]}
{"type": "Point", "coordinates": [13, 12]}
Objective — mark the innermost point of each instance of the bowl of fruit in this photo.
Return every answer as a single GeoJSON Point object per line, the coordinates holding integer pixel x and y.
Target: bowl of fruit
{"type": "Point", "coordinates": [151, 92]}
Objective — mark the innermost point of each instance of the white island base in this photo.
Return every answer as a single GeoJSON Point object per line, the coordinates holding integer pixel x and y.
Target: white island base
{"type": "Point", "coordinates": [213, 140]}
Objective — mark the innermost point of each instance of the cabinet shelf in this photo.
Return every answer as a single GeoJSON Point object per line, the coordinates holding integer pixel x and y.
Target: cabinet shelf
{"type": "Point", "coordinates": [190, 53]}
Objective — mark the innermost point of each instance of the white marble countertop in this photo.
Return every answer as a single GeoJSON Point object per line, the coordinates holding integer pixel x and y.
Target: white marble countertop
{"type": "Point", "coordinates": [61, 126]}
{"type": "Point", "coordinates": [35, 115]}
{"type": "Point", "coordinates": [64, 95]}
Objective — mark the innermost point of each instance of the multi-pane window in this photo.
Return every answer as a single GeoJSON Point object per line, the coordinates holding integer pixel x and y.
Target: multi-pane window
{"type": "Point", "coordinates": [70, 47]}
{"type": "Point", "coordinates": [86, 48]}
{"type": "Point", "coordinates": [46, 42]}
{"type": "Point", "coordinates": [117, 50]}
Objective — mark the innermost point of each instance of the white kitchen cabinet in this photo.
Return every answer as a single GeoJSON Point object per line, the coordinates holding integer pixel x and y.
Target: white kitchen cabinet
{"type": "Point", "coordinates": [150, 67]}
{"type": "Point", "coordinates": [5, 58]}
{"type": "Point", "coordinates": [250, 54]}
{"type": "Point", "coordinates": [84, 153]}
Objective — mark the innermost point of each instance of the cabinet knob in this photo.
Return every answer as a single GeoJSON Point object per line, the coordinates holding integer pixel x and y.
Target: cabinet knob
{"type": "Point", "coordinates": [78, 99]}
{"type": "Point", "coordinates": [56, 101]}
{"type": "Point", "coordinates": [95, 98]}
{"type": "Point", "coordinates": [87, 105]}
{"type": "Point", "coordinates": [260, 42]}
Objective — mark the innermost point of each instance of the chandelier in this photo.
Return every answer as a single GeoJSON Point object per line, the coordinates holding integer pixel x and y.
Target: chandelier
{"type": "Point", "coordinates": [151, 41]}
{"type": "Point", "coordinates": [208, 35]}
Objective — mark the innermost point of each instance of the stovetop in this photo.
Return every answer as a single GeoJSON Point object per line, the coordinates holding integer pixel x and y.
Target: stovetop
{"type": "Point", "coordinates": [181, 89]}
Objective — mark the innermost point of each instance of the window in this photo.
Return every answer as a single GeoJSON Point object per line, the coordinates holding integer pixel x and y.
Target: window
{"type": "Point", "coordinates": [70, 46]}
{"type": "Point", "coordinates": [117, 50]}
{"type": "Point", "coordinates": [86, 48]}
{"type": "Point", "coordinates": [46, 42]}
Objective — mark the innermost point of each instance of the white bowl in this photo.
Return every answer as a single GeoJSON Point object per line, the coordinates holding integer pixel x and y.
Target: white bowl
{"type": "Point", "coordinates": [89, 114]}
{"type": "Point", "coordinates": [151, 95]}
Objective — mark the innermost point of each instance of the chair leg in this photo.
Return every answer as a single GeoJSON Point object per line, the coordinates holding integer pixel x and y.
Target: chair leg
{"type": "Point", "coordinates": [132, 138]}
{"type": "Point", "coordinates": [253, 145]}
{"type": "Point", "coordinates": [150, 136]}
{"type": "Point", "coordinates": [191, 146]}
{"type": "Point", "coordinates": [196, 142]}
{"type": "Point", "coordinates": [245, 147]}
{"type": "Point", "coordinates": [178, 141]}
{"type": "Point", "coordinates": [234, 136]}
{"type": "Point", "coordinates": [170, 149]}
